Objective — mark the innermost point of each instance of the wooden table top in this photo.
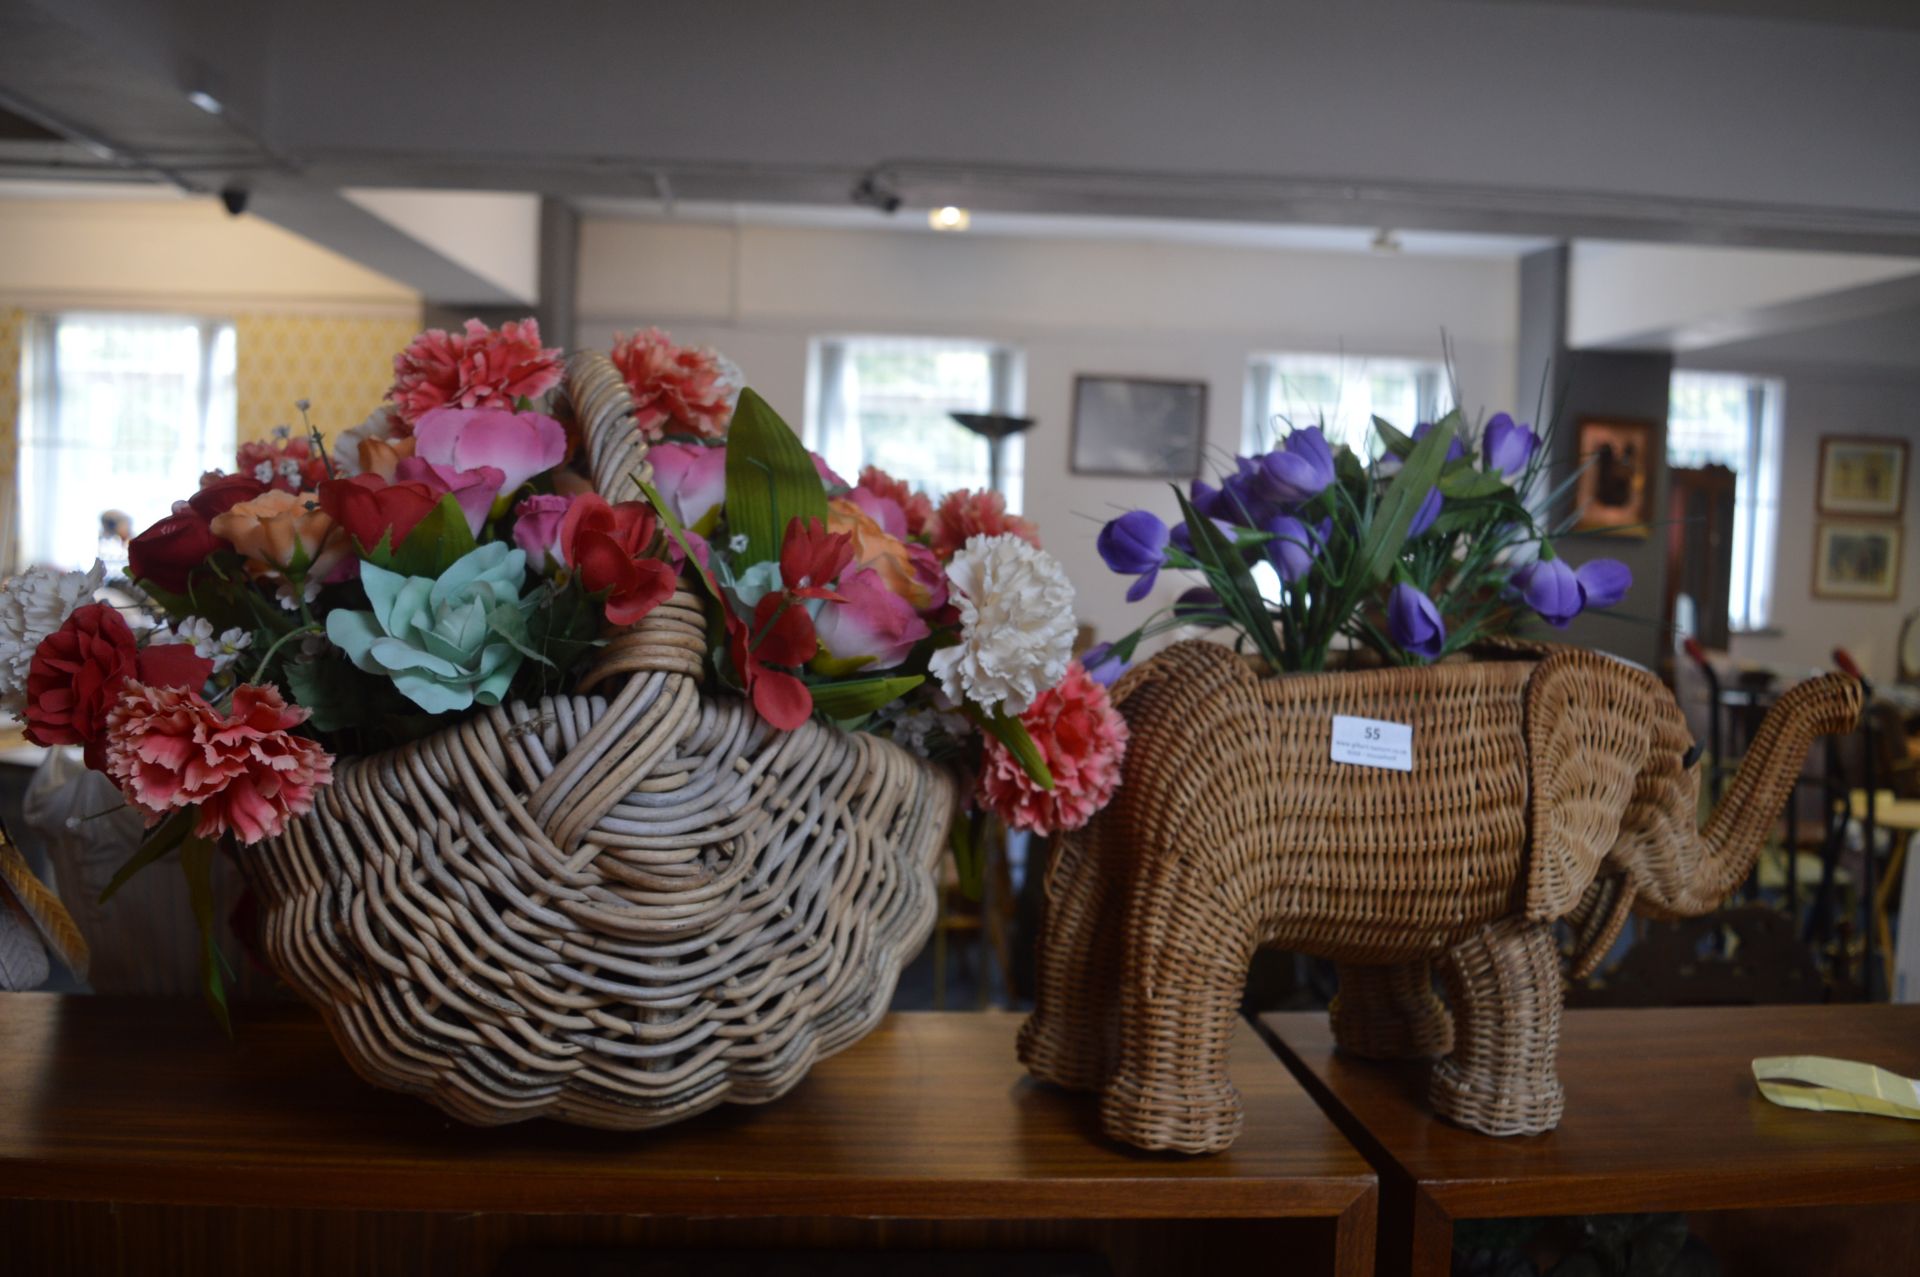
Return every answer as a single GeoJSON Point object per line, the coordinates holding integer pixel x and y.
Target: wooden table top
{"type": "Point", "coordinates": [929, 1117]}
{"type": "Point", "coordinates": [1662, 1114]}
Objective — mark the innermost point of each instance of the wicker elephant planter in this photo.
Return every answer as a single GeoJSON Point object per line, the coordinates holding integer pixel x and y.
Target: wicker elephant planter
{"type": "Point", "coordinates": [1546, 785]}
{"type": "Point", "coordinates": [617, 908]}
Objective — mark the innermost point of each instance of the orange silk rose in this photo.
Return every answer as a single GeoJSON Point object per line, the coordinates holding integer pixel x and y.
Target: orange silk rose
{"type": "Point", "coordinates": [383, 456]}
{"type": "Point", "coordinates": [873, 548]}
{"type": "Point", "coordinates": [269, 529]}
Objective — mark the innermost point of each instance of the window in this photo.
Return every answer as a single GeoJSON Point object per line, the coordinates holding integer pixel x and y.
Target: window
{"type": "Point", "coordinates": [1733, 421]}
{"type": "Point", "coordinates": [883, 401]}
{"type": "Point", "coordinates": [123, 412]}
{"type": "Point", "coordinates": [1342, 393]}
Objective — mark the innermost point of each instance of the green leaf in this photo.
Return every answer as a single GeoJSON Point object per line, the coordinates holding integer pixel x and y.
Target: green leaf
{"type": "Point", "coordinates": [196, 862]}
{"type": "Point", "coordinates": [1468, 484]}
{"type": "Point", "coordinates": [1395, 442]}
{"type": "Point", "coordinates": [855, 697]}
{"type": "Point", "coordinates": [1227, 572]}
{"type": "Point", "coordinates": [436, 543]}
{"type": "Point", "coordinates": [155, 845]}
{"type": "Point", "coordinates": [1387, 533]}
{"type": "Point", "coordinates": [509, 621]}
{"type": "Point", "coordinates": [770, 479]}
{"type": "Point", "coordinates": [1012, 733]}
{"type": "Point", "coordinates": [330, 687]}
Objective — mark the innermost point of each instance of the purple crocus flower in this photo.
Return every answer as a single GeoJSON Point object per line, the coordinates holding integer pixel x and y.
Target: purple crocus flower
{"type": "Point", "coordinates": [1429, 511]}
{"type": "Point", "coordinates": [1298, 470]}
{"type": "Point", "coordinates": [1135, 544]}
{"type": "Point", "coordinates": [1102, 666]}
{"type": "Point", "coordinates": [1414, 622]}
{"type": "Point", "coordinates": [1210, 501]}
{"type": "Point", "coordinates": [1455, 449]}
{"type": "Point", "coordinates": [1550, 588]}
{"type": "Point", "coordinates": [1295, 546]}
{"type": "Point", "coordinates": [1603, 582]}
{"type": "Point", "coordinates": [1197, 599]}
{"type": "Point", "coordinates": [1508, 445]}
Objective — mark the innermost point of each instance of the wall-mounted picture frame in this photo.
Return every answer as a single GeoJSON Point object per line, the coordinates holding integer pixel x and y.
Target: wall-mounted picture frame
{"type": "Point", "coordinates": [1138, 427]}
{"type": "Point", "coordinates": [1857, 560]}
{"type": "Point", "coordinates": [1615, 493]}
{"type": "Point", "coordinates": [1863, 476]}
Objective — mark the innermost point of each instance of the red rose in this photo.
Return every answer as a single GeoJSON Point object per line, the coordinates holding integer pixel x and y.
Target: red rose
{"type": "Point", "coordinates": [221, 492]}
{"type": "Point", "coordinates": [369, 507]}
{"type": "Point", "coordinates": [168, 552]}
{"type": "Point", "coordinates": [79, 670]}
{"type": "Point", "coordinates": [610, 547]}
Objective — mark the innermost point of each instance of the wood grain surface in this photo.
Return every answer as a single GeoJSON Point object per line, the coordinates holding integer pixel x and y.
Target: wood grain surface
{"type": "Point", "coordinates": [930, 1117]}
{"type": "Point", "coordinates": [1662, 1114]}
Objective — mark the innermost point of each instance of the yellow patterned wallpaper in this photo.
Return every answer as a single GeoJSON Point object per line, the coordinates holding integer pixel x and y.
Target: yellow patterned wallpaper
{"type": "Point", "coordinates": [342, 366]}
{"type": "Point", "coordinates": [13, 327]}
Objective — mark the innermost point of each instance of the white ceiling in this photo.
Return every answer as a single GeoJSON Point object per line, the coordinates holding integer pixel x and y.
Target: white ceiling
{"type": "Point", "coordinates": [913, 220]}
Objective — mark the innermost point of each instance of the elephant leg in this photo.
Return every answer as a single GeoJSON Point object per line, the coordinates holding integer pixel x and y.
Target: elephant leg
{"type": "Point", "coordinates": [1390, 1013]}
{"type": "Point", "coordinates": [1068, 1040]}
{"type": "Point", "coordinates": [1504, 986]}
{"type": "Point", "coordinates": [1186, 970]}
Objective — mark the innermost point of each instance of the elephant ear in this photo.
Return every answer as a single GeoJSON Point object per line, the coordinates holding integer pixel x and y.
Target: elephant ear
{"type": "Point", "coordinates": [1588, 724]}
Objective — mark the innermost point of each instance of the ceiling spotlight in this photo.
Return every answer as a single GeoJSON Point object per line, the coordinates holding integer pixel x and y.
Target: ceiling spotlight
{"type": "Point", "coordinates": [950, 218]}
{"type": "Point", "coordinates": [876, 192]}
{"type": "Point", "coordinates": [206, 101]}
{"type": "Point", "coordinates": [1385, 241]}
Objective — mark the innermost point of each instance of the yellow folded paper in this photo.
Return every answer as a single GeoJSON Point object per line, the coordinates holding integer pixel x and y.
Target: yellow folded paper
{"type": "Point", "coordinates": [1836, 1086]}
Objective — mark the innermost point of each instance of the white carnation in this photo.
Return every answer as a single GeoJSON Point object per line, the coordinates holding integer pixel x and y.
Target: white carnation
{"type": "Point", "coordinates": [382, 423]}
{"type": "Point", "coordinates": [33, 605]}
{"type": "Point", "coordinates": [1016, 624]}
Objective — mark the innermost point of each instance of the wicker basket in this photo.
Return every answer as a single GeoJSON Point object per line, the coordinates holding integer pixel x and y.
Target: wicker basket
{"type": "Point", "coordinates": [617, 908]}
{"type": "Point", "coordinates": [1548, 785]}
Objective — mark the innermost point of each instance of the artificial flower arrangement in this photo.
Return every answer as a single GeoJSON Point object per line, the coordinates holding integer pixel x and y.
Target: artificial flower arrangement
{"type": "Point", "coordinates": [1415, 555]}
{"type": "Point", "coordinates": [447, 555]}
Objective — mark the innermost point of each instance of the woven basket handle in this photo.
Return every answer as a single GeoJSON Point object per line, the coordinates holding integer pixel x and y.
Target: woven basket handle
{"type": "Point", "coordinates": [673, 637]}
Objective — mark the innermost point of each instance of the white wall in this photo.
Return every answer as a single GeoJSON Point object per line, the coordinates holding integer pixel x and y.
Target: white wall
{"type": "Point", "coordinates": [177, 255]}
{"type": "Point", "coordinates": [1821, 401]}
{"type": "Point", "coordinates": [762, 294]}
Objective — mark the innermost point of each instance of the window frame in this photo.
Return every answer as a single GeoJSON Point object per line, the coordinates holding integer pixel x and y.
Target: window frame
{"type": "Point", "coordinates": [1757, 519]}
{"type": "Point", "coordinates": [1006, 393]}
{"type": "Point", "coordinates": [1433, 391]}
{"type": "Point", "coordinates": [41, 400]}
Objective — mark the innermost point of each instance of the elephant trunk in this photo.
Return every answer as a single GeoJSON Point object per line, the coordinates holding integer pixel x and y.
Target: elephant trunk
{"type": "Point", "coordinates": [1682, 873]}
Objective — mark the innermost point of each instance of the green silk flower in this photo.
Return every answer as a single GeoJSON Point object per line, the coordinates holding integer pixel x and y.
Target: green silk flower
{"type": "Point", "coordinates": [446, 644]}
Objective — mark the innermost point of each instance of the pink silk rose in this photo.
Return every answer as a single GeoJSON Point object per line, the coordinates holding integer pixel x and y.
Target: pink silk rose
{"type": "Point", "coordinates": [883, 510]}
{"type": "Point", "coordinates": [536, 529]}
{"type": "Point", "coordinates": [519, 445]}
{"type": "Point", "coordinates": [692, 480]}
{"type": "Point", "coordinates": [475, 490]}
{"type": "Point", "coordinates": [874, 629]}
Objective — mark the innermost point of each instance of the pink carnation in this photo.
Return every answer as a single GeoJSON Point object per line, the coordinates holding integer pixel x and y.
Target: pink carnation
{"type": "Point", "coordinates": [680, 390]}
{"type": "Point", "coordinates": [474, 368]}
{"type": "Point", "coordinates": [916, 506]}
{"type": "Point", "coordinates": [288, 464]}
{"type": "Point", "coordinates": [964, 514]}
{"type": "Point", "coordinates": [246, 771]}
{"type": "Point", "coordinates": [1082, 737]}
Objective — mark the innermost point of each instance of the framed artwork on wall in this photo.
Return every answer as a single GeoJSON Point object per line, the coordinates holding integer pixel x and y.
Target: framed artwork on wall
{"type": "Point", "coordinates": [1615, 493]}
{"type": "Point", "coordinates": [1863, 477]}
{"type": "Point", "coordinates": [1857, 560]}
{"type": "Point", "coordinates": [1138, 427]}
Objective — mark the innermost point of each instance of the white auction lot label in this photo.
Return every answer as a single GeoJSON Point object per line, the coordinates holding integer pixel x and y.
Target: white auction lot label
{"type": "Point", "coordinates": [1369, 742]}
